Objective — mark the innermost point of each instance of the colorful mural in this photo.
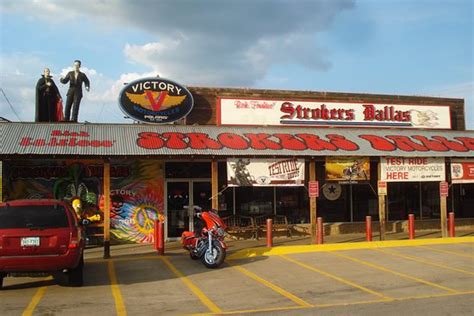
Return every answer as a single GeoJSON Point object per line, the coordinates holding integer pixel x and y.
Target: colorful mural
{"type": "Point", "coordinates": [136, 190]}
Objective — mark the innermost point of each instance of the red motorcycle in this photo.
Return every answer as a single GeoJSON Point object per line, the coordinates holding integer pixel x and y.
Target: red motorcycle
{"type": "Point", "coordinates": [207, 240]}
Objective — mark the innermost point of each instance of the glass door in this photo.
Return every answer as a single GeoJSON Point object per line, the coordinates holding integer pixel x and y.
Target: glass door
{"type": "Point", "coordinates": [178, 217]}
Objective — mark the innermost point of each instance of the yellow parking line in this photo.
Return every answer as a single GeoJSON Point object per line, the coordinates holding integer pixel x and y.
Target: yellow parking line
{"type": "Point", "coordinates": [204, 299]}
{"type": "Point", "coordinates": [246, 311]}
{"type": "Point", "coordinates": [36, 299]}
{"type": "Point", "coordinates": [403, 275]}
{"type": "Point", "coordinates": [272, 286]}
{"type": "Point", "coordinates": [335, 277]}
{"type": "Point", "coordinates": [117, 295]}
{"type": "Point", "coordinates": [396, 254]}
{"type": "Point", "coordinates": [449, 252]}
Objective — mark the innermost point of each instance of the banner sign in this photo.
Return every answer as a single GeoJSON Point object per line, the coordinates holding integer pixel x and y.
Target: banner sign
{"type": "Point", "coordinates": [347, 168]}
{"type": "Point", "coordinates": [265, 172]}
{"type": "Point", "coordinates": [155, 100]}
{"type": "Point", "coordinates": [462, 171]}
{"type": "Point", "coordinates": [412, 169]}
{"type": "Point", "coordinates": [317, 113]}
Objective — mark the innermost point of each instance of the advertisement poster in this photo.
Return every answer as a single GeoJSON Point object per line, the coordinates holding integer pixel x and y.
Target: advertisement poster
{"type": "Point", "coordinates": [398, 169]}
{"type": "Point", "coordinates": [136, 190]}
{"type": "Point", "coordinates": [265, 172]}
{"type": "Point", "coordinates": [462, 171]}
{"type": "Point", "coordinates": [257, 112]}
{"type": "Point", "coordinates": [347, 168]}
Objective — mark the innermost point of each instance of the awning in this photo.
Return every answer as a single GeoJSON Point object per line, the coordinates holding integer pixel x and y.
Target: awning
{"type": "Point", "coordinates": [108, 140]}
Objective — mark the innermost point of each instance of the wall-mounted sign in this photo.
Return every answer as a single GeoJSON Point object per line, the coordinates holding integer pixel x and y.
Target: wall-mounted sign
{"type": "Point", "coordinates": [382, 187]}
{"type": "Point", "coordinates": [443, 189]}
{"type": "Point", "coordinates": [462, 171]}
{"type": "Point", "coordinates": [347, 168]}
{"type": "Point", "coordinates": [155, 100]}
{"type": "Point", "coordinates": [317, 113]}
{"type": "Point", "coordinates": [332, 191]}
{"type": "Point", "coordinates": [313, 189]}
{"type": "Point", "coordinates": [265, 172]}
{"type": "Point", "coordinates": [412, 169]}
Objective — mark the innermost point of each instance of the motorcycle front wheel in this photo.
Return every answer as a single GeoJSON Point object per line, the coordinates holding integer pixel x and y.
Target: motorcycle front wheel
{"type": "Point", "coordinates": [214, 258]}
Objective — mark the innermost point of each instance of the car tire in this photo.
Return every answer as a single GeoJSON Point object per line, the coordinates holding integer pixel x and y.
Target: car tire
{"type": "Point", "coordinates": [76, 275]}
{"type": "Point", "coordinates": [2, 276]}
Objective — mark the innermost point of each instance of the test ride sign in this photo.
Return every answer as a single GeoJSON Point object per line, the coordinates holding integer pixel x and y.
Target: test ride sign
{"type": "Point", "coordinates": [265, 172]}
{"type": "Point", "coordinates": [399, 169]}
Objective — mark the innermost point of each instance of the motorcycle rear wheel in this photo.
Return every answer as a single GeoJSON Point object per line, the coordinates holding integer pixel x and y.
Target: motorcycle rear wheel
{"type": "Point", "coordinates": [218, 256]}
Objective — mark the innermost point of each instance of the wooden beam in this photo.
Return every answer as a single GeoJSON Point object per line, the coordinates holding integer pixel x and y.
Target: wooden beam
{"type": "Point", "coordinates": [382, 205]}
{"type": "Point", "coordinates": [106, 210]}
{"type": "Point", "coordinates": [214, 185]}
{"type": "Point", "coordinates": [312, 202]}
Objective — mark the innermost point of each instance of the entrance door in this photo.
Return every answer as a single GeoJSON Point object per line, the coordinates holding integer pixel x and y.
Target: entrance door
{"type": "Point", "coordinates": [181, 195]}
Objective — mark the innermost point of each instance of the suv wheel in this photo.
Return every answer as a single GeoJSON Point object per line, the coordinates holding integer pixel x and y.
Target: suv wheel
{"type": "Point", "coordinates": [75, 276]}
{"type": "Point", "coordinates": [2, 275]}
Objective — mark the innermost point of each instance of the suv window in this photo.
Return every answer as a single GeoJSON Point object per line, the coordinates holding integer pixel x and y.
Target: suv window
{"type": "Point", "coordinates": [33, 217]}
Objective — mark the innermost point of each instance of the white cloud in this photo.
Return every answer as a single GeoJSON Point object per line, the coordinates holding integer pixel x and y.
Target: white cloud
{"type": "Point", "coordinates": [212, 42]}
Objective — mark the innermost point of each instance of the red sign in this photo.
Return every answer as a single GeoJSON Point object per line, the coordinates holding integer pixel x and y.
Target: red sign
{"type": "Point", "coordinates": [313, 189]}
{"type": "Point", "coordinates": [443, 189]}
{"type": "Point", "coordinates": [462, 171]}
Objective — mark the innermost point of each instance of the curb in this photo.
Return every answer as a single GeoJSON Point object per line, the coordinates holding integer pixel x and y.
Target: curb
{"type": "Point", "coordinates": [285, 250]}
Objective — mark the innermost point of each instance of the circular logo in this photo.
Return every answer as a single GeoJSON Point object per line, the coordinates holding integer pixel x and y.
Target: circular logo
{"type": "Point", "coordinates": [332, 191]}
{"type": "Point", "coordinates": [155, 100]}
{"type": "Point", "coordinates": [263, 180]}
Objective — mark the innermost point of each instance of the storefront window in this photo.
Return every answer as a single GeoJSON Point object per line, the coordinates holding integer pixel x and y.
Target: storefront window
{"type": "Point", "coordinates": [188, 170]}
{"type": "Point", "coordinates": [292, 202]}
{"type": "Point", "coordinates": [461, 200]}
{"type": "Point", "coordinates": [254, 201]}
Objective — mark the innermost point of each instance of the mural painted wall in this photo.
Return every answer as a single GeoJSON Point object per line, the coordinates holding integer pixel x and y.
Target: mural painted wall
{"type": "Point", "coordinates": [136, 190]}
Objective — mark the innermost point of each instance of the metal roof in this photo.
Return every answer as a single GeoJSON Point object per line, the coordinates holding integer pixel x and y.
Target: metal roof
{"type": "Point", "coordinates": [107, 140]}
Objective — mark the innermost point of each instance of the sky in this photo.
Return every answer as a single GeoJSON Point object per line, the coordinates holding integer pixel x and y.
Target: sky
{"type": "Point", "coordinates": [417, 47]}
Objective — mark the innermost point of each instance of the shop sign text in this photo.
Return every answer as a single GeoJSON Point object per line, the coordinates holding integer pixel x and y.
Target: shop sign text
{"type": "Point", "coordinates": [318, 113]}
{"type": "Point", "coordinates": [412, 169]}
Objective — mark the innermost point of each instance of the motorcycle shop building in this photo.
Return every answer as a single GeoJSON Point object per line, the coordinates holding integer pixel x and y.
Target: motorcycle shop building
{"type": "Point", "coordinates": [249, 152]}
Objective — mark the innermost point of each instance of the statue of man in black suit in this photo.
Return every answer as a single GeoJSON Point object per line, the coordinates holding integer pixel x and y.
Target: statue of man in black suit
{"type": "Point", "coordinates": [74, 94]}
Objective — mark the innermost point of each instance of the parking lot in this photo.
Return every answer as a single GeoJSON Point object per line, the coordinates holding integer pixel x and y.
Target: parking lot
{"type": "Point", "coordinates": [355, 281]}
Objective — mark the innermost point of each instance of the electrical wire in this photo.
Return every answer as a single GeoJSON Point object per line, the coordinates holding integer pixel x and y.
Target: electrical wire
{"type": "Point", "coordinates": [11, 106]}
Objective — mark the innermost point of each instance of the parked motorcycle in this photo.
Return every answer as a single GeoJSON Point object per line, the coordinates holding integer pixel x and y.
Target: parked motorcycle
{"type": "Point", "coordinates": [207, 240]}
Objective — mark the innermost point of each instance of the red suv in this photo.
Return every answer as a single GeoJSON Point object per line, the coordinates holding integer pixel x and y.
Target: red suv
{"type": "Point", "coordinates": [41, 236]}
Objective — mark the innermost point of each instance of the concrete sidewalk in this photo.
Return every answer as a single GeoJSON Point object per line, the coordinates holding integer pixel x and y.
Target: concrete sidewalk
{"type": "Point", "coordinates": [174, 247]}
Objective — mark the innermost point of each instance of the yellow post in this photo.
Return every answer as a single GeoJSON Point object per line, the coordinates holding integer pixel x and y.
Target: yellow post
{"type": "Point", "coordinates": [444, 216]}
{"type": "Point", "coordinates": [312, 202]}
{"type": "Point", "coordinates": [106, 210]}
{"type": "Point", "coordinates": [214, 185]}
{"type": "Point", "coordinates": [382, 206]}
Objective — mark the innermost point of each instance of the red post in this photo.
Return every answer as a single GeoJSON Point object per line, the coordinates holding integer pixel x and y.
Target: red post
{"type": "Point", "coordinates": [451, 225]}
{"type": "Point", "coordinates": [368, 228]}
{"type": "Point", "coordinates": [411, 226]}
{"type": "Point", "coordinates": [269, 232]}
{"type": "Point", "coordinates": [320, 231]}
{"type": "Point", "coordinates": [159, 237]}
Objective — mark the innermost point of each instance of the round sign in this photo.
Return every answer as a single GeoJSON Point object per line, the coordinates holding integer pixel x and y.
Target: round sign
{"type": "Point", "coordinates": [332, 191]}
{"type": "Point", "coordinates": [155, 100]}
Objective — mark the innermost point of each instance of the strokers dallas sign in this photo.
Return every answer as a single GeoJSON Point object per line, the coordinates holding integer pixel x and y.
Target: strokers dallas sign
{"type": "Point", "coordinates": [317, 113]}
{"type": "Point", "coordinates": [155, 100]}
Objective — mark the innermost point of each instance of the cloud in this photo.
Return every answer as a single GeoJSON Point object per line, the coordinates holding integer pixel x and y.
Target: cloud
{"type": "Point", "coordinates": [212, 42]}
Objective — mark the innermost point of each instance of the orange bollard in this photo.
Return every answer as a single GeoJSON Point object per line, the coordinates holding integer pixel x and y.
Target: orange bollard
{"type": "Point", "coordinates": [368, 228]}
{"type": "Point", "coordinates": [159, 244]}
{"type": "Point", "coordinates": [411, 226]}
{"type": "Point", "coordinates": [320, 231]}
{"type": "Point", "coordinates": [269, 232]}
{"type": "Point", "coordinates": [451, 225]}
